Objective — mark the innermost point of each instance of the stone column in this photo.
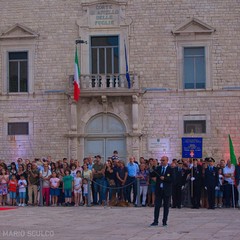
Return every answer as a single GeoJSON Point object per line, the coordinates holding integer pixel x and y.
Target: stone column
{"type": "Point", "coordinates": [135, 127]}
{"type": "Point", "coordinates": [135, 113]}
{"type": "Point", "coordinates": [135, 146]}
{"type": "Point", "coordinates": [73, 143]}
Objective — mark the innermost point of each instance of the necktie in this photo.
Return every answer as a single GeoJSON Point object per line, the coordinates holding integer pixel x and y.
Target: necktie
{"type": "Point", "coordinates": [162, 173]}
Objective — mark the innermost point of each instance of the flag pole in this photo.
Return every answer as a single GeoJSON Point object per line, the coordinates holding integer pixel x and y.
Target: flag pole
{"type": "Point", "coordinates": [192, 182]}
{"type": "Point", "coordinates": [233, 160]}
{"type": "Point", "coordinates": [77, 72]}
{"type": "Point", "coordinates": [79, 41]}
{"type": "Point", "coordinates": [126, 62]}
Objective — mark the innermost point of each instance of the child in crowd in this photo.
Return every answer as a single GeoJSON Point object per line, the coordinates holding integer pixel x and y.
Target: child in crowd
{"type": "Point", "coordinates": [67, 187]}
{"type": "Point", "coordinates": [22, 186]}
{"type": "Point", "coordinates": [73, 170]}
{"type": "Point", "coordinates": [61, 174]}
{"type": "Point", "coordinates": [54, 190]}
{"type": "Point", "coordinates": [85, 191]}
{"type": "Point", "coordinates": [143, 176]}
{"type": "Point", "coordinates": [4, 179]}
{"type": "Point", "coordinates": [12, 188]}
{"type": "Point", "coordinates": [219, 189]}
{"type": "Point", "coordinates": [77, 188]}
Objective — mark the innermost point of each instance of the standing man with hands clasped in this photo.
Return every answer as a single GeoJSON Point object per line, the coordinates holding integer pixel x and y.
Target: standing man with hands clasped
{"type": "Point", "coordinates": [164, 179]}
{"type": "Point", "coordinates": [211, 182]}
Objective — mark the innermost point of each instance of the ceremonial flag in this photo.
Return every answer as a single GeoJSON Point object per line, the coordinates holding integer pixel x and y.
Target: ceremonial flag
{"type": "Point", "coordinates": [127, 73]}
{"type": "Point", "coordinates": [232, 153]}
{"type": "Point", "coordinates": [76, 82]}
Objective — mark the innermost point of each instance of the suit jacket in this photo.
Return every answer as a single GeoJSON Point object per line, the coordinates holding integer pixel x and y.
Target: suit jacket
{"type": "Point", "coordinates": [211, 177]}
{"type": "Point", "coordinates": [179, 177]}
{"type": "Point", "coordinates": [237, 176]}
{"type": "Point", "coordinates": [196, 172]}
{"type": "Point", "coordinates": [167, 182]}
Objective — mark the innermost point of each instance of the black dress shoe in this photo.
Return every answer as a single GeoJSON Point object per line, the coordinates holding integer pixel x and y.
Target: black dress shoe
{"type": "Point", "coordinates": [164, 224]}
{"type": "Point", "coordinates": [153, 224]}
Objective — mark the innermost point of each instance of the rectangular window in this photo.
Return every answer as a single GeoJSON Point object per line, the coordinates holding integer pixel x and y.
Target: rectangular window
{"type": "Point", "coordinates": [105, 55]}
{"type": "Point", "coordinates": [18, 71]}
{"type": "Point", "coordinates": [194, 126]}
{"type": "Point", "coordinates": [18, 128]}
{"type": "Point", "coordinates": [105, 61]}
{"type": "Point", "coordinates": [194, 69]}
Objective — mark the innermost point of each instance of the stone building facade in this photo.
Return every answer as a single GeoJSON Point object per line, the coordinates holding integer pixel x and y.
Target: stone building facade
{"type": "Point", "coordinates": [184, 64]}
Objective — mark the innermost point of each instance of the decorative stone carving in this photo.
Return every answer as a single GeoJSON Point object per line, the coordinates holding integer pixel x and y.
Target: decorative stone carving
{"type": "Point", "coordinates": [105, 103]}
{"type": "Point", "coordinates": [193, 26]}
{"type": "Point", "coordinates": [103, 14]}
{"type": "Point", "coordinates": [18, 31]}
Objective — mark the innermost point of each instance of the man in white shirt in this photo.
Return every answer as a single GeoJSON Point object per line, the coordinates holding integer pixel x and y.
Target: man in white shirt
{"type": "Point", "coordinates": [133, 169]}
{"type": "Point", "coordinates": [228, 173]}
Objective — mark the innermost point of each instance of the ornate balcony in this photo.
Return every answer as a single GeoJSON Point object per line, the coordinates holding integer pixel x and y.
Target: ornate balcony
{"type": "Point", "coordinates": [110, 85]}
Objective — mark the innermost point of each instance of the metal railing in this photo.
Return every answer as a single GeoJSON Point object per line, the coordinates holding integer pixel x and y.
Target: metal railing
{"type": "Point", "coordinates": [89, 197]}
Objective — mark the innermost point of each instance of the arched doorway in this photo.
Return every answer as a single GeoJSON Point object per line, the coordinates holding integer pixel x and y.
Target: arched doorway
{"type": "Point", "coordinates": [104, 134]}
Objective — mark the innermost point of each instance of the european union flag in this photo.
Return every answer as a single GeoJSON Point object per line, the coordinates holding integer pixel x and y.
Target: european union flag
{"type": "Point", "coordinates": [127, 73]}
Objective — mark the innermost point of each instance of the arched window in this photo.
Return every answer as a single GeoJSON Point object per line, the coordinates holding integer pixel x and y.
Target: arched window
{"type": "Point", "coordinates": [104, 134]}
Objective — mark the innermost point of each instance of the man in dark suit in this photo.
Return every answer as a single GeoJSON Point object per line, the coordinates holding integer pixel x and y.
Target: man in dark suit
{"type": "Point", "coordinates": [179, 180]}
{"type": "Point", "coordinates": [196, 183]}
{"type": "Point", "coordinates": [237, 178]}
{"type": "Point", "coordinates": [211, 182]}
{"type": "Point", "coordinates": [164, 179]}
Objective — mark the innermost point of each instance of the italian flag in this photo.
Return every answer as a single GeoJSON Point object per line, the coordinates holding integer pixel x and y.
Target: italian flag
{"type": "Point", "coordinates": [76, 82]}
{"type": "Point", "coordinates": [232, 153]}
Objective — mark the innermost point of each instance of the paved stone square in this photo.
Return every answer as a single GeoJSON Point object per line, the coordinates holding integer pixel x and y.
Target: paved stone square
{"type": "Point", "coordinates": [116, 223]}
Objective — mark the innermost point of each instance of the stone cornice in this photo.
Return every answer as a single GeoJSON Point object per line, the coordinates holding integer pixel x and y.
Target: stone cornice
{"type": "Point", "coordinates": [86, 3]}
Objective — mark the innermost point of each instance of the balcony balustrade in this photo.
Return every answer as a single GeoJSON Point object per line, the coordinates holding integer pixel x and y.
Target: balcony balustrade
{"type": "Point", "coordinates": [110, 83]}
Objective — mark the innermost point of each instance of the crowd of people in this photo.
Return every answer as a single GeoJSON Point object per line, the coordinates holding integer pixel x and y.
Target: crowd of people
{"type": "Point", "coordinates": [194, 182]}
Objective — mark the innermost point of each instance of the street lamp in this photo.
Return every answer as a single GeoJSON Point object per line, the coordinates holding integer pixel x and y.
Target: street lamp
{"type": "Point", "coordinates": [79, 41]}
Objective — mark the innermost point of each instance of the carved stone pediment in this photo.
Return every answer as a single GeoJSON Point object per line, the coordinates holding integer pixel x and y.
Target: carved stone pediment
{"type": "Point", "coordinates": [18, 31]}
{"type": "Point", "coordinates": [193, 26]}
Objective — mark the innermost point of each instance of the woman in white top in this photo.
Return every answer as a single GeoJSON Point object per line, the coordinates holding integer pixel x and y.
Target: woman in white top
{"type": "Point", "coordinates": [77, 188]}
{"type": "Point", "coordinates": [45, 175]}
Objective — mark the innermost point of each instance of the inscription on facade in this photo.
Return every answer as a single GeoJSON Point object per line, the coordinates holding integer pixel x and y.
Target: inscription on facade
{"type": "Point", "coordinates": [160, 145]}
{"type": "Point", "coordinates": [104, 15]}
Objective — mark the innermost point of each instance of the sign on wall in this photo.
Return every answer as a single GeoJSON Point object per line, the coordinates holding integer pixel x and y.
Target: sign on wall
{"type": "Point", "coordinates": [191, 147]}
{"type": "Point", "coordinates": [161, 145]}
{"type": "Point", "coordinates": [104, 15]}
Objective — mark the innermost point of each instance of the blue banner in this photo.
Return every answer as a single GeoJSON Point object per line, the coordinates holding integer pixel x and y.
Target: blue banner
{"type": "Point", "coordinates": [191, 147]}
